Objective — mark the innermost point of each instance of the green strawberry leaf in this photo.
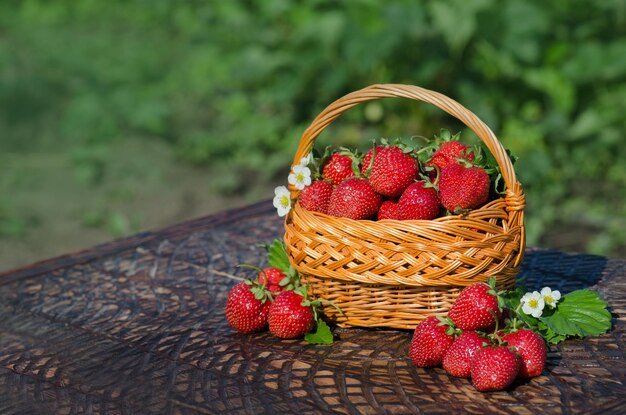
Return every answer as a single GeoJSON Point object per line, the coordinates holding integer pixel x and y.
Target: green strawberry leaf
{"type": "Point", "coordinates": [487, 161]}
{"type": "Point", "coordinates": [321, 335]}
{"type": "Point", "coordinates": [580, 313]}
{"type": "Point", "coordinates": [512, 298]}
{"type": "Point", "coordinates": [277, 256]}
{"type": "Point", "coordinates": [259, 293]}
{"type": "Point", "coordinates": [319, 160]}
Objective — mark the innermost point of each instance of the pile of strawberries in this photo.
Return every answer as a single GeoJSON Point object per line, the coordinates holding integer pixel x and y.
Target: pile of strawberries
{"type": "Point", "coordinates": [270, 301]}
{"type": "Point", "coordinates": [395, 181]}
{"type": "Point", "coordinates": [468, 342]}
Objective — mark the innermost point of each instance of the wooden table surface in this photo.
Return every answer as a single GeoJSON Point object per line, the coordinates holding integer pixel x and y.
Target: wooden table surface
{"type": "Point", "coordinates": [137, 326]}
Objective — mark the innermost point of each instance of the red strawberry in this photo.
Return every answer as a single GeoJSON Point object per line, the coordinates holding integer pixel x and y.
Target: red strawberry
{"type": "Point", "coordinates": [388, 210]}
{"type": "Point", "coordinates": [316, 197]}
{"type": "Point", "coordinates": [393, 170]}
{"type": "Point", "coordinates": [494, 368]}
{"type": "Point", "coordinates": [366, 163]}
{"type": "Point", "coordinates": [473, 308]}
{"type": "Point", "coordinates": [354, 199]}
{"type": "Point", "coordinates": [463, 188]}
{"type": "Point", "coordinates": [274, 277]}
{"type": "Point", "coordinates": [288, 318]}
{"type": "Point", "coordinates": [418, 202]}
{"type": "Point", "coordinates": [450, 152]}
{"type": "Point", "coordinates": [338, 168]}
{"type": "Point", "coordinates": [458, 359]}
{"type": "Point", "coordinates": [430, 342]}
{"type": "Point", "coordinates": [532, 349]}
{"type": "Point", "coordinates": [244, 311]}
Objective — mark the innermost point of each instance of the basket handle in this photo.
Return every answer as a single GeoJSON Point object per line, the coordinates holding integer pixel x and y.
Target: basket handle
{"type": "Point", "coordinates": [373, 92]}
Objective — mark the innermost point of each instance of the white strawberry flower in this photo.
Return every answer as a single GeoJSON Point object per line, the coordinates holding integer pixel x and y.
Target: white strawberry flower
{"type": "Point", "coordinates": [282, 200]}
{"type": "Point", "coordinates": [306, 160]}
{"type": "Point", "coordinates": [550, 297]}
{"type": "Point", "coordinates": [300, 176]}
{"type": "Point", "coordinates": [533, 304]}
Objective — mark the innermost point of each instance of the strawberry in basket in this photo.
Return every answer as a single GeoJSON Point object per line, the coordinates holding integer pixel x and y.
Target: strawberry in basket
{"type": "Point", "coordinates": [446, 149]}
{"type": "Point", "coordinates": [463, 187]}
{"type": "Point", "coordinates": [398, 181]}
{"type": "Point", "coordinates": [390, 169]}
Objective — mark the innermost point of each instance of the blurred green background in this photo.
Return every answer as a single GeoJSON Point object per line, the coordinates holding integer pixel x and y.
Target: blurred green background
{"type": "Point", "coordinates": [119, 116]}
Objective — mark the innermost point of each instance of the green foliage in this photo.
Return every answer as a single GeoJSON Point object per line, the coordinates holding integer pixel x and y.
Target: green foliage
{"type": "Point", "coordinates": [230, 86]}
{"type": "Point", "coordinates": [277, 256]}
{"type": "Point", "coordinates": [321, 335]}
{"type": "Point", "coordinates": [579, 313]}
{"type": "Point", "coordinates": [12, 225]}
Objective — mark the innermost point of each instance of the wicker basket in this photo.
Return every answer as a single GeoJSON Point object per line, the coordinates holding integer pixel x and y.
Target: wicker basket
{"type": "Point", "coordinates": [396, 273]}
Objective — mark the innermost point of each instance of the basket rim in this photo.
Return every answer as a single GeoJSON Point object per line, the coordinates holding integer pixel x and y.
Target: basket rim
{"type": "Point", "coordinates": [412, 92]}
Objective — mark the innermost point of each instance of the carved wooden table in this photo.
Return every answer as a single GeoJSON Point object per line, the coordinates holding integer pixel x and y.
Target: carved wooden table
{"type": "Point", "coordinates": [137, 326]}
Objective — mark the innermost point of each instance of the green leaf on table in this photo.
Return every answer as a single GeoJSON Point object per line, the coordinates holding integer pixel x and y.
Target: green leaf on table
{"type": "Point", "coordinates": [580, 313]}
{"type": "Point", "coordinates": [511, 298]}
{"type": "Point", "coordinates": [321, 335]}
{"type": "Point", "coordinates": [549, 335]}
{"type": "Point", "coordinates": [277, 256]}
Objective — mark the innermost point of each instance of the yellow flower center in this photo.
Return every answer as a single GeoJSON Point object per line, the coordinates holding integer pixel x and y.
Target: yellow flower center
{"type": "Point", "coordinates": [533, 303]}
{"type": "Point", "coordinates": [284, 201]}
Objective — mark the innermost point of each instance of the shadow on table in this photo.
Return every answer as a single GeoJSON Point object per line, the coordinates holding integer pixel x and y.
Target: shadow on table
{"type": "Point", "coordinates": [560, 271]}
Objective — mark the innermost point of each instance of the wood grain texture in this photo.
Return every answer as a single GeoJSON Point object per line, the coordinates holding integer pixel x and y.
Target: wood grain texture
{"type": "Point", "coordinates": [137, 327]}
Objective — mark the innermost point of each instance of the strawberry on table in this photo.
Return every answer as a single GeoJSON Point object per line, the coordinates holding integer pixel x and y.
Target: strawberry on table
{"type": "Point", "coordinates": [392, 171]}
{"type": "Point", "coordinates": [458, 359]}
{"type": "Point", "coordinates": [462, 188]}
{"type": "Point", "coordinates": [274, 277]}
{"type": "Point", "coordinates": [355, 199]}
{"type": "Point", "coordinates": [247, 307]}
{"type": "Point", "coordinates": [476, 307]}
{"type": "Point", "coordinates": [316, 197]}
{"type": "Point", "coordinates": [288, 318]}
{"type": "Point", "coordinates": [430, 342]}
{"type": "Point", "coordinates": [532, 350]}
{"type": "Point", "coordinates": [494, 368]}
{"type": "Point", "coordinates": [418, 202]}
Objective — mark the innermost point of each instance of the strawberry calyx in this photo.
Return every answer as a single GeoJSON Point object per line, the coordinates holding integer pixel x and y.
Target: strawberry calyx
{"type": "Point", "coordinates": [493, 290]}
{"type": "Point", "coordinates": [354, 156]}
{"type": "Point", "coordinates": [402, 145]}
{"type": "Point", "coordinates": [321, 333]}
{"type": "Point", "coordinates": [366, 170]}
{"type": "Point", "coordinates": [260, 291]}
{"type": "Point", "coordinates": [318, 161]}
{"type": "Point", "coordinates": [484, 159]}
{"type": "Point", "coordinates": [445, 135]}
{"type": "Point", "coordinates": [452, 329]}
{"type": "Point", "coordinates": [433, 144]}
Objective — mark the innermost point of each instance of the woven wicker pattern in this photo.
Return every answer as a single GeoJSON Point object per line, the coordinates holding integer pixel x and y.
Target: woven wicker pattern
{"type": "Point", "coordinates": [395, 273]}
